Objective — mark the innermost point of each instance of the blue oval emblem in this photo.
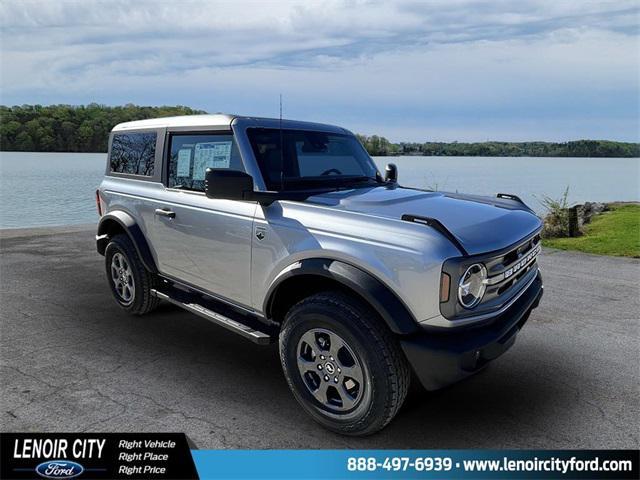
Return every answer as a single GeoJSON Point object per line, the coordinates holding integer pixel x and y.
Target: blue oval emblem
{"type": "Point", "coordinates": [59, 469]}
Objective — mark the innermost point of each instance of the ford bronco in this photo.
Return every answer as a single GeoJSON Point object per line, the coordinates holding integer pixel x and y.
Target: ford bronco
{"type": "Point", "coordinates": [286, 231]}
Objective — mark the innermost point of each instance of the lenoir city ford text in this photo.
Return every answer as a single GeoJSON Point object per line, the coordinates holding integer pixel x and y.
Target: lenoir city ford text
{"type": "Point", "coordinates": [45, 448]}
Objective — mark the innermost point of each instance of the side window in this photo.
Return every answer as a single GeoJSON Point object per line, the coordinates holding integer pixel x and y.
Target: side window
{"type": "Point", "coordinates": [191, 155]}
{"type": "Point", "coordinates": [133, 153]}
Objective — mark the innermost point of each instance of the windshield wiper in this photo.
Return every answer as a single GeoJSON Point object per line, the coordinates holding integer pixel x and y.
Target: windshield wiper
{"type": "Point", "coordinates": [328, 184]}
{"type": "Point", "coordinates": [358, 180]}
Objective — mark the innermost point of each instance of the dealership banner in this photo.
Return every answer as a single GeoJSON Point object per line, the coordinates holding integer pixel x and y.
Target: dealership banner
{"type": "Point", "coordinates": [96, 455]}
{"type": "Point", "coordinates": [409, 464]}
{"type": "Point", "coordinates": [173, 456]}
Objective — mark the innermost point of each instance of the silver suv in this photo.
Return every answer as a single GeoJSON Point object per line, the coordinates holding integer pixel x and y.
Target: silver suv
{"type": "Point", "coordinates": [286, 231]}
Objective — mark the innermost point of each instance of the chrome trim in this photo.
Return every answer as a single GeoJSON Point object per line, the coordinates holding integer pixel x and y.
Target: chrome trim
{"type": "Point", "coordinates": [478, 299]}
{"type": "Point", "coordinates": [515, 267]}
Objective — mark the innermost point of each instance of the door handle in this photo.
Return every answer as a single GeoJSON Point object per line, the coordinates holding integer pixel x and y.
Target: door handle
{"type": "Point", "coordinates": [165, 212]}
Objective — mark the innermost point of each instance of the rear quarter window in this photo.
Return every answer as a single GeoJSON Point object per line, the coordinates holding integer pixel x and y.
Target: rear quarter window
{"type": "Point", "coordinates": [133, 153]}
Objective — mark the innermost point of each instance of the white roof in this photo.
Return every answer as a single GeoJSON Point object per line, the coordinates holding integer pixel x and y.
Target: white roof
{"type": "Point", "coordinates": [217, 119]}
{"type": "Point", "coordinates": [224, 120]}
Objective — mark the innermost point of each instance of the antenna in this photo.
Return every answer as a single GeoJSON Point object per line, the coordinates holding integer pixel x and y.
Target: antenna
{"type": "Point", "coordinates": [281, 149]}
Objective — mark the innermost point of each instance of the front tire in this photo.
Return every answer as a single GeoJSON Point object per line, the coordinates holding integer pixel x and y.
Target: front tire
{"type": "Point", "coordinates": [343, 365]}
{"type": "Point", "coordinates": [130, 281]}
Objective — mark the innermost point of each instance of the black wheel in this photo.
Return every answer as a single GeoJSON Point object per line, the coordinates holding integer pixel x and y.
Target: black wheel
{"type": "Point", "coordinates": [342, 364]}
{"type": "Point", "coordinates": [130, 281]}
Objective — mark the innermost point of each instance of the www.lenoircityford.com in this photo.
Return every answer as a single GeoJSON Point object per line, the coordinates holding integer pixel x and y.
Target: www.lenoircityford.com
{"type": "Point", "coordinates": [551, 464]}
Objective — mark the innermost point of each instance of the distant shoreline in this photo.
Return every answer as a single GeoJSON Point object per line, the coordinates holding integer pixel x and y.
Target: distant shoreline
{"type": "Point", "coordinates": [411, 154]}
{"type": "Point", "coordinates": [497, 156]}
{"type": "Point", "coordinates": [380, 146]}
{"type": "Point", "coordinates": [85, 129]}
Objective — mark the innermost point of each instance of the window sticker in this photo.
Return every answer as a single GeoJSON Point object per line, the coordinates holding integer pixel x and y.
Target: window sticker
{"type": "Point", "coordinates": [184, 162]}
{"type": "Point", "coordinates": [210, 155]}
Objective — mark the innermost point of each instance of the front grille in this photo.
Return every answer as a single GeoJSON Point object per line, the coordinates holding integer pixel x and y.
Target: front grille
{"type": "Point", "coordinates": [505, 271]}
{"type": "Point", "coordinates": [513, 256]}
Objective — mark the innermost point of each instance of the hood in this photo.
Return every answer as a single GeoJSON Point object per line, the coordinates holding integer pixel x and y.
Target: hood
{"type": "Point", "coordinates": [480, 224]}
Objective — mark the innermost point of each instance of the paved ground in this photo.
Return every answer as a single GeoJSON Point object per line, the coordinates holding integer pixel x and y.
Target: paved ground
{"type": "Point", "coordinates": [71, 360]}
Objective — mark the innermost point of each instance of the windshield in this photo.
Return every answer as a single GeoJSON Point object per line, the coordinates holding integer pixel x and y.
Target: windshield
{"type": "Point", "coordinates": [310, 159]}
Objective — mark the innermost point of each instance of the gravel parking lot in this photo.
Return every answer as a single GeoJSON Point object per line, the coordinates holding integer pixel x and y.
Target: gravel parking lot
{"type": "Point", "coordinates": [71, 360]}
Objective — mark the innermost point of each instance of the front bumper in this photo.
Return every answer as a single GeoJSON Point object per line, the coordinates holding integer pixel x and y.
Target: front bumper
{"type": "Point", "coordinates": [442, 358]}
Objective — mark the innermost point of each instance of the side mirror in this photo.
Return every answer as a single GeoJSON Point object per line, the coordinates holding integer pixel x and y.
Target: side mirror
{"type": "Point", "coordinates": [228, 184]}
{"type": "Point", "coordinates": [391, 173]}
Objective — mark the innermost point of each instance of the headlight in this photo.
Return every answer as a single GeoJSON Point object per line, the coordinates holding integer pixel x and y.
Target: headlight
{"type": "Point", "coordinates": [472, 285]}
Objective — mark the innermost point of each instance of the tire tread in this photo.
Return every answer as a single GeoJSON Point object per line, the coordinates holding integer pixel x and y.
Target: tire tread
{"type": "Point", "coordinates": [148, 280]}
{"type": "Point", "coordinates": [383, 343]}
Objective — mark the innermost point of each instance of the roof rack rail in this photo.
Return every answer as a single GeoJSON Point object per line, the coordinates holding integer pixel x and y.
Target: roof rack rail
{"type": "Point", "coordinates": [436, 225]}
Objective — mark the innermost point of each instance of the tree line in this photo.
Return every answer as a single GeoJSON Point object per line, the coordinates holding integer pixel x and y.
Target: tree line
{"type": "Point", "coordinates": [67, 128]}
{"type": "Point", "coordinates": [380, 146]}
{"type": "Point", "coordinates": [85, 128]}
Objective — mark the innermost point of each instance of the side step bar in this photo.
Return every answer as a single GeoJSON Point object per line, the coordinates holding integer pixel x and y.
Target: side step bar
{"type": "Point", "coordinates": [246, 331]}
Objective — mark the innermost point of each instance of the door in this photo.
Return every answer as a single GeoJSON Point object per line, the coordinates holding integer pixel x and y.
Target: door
{"type": "Point", "coordinates": [201, 241]}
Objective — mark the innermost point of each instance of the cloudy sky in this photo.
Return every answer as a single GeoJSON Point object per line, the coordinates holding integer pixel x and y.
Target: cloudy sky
{"type": "Point", "coordinates": [409, 70]}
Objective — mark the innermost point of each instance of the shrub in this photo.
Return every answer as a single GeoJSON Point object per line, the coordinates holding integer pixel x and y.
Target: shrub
{"type": "Point", "coordinates": [556, 221]}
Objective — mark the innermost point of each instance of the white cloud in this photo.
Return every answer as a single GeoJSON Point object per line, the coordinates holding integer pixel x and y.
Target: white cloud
{"type": "Point", "coordinates": [454, 66]}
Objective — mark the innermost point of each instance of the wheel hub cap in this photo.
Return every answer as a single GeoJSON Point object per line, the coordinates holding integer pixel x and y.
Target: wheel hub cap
{"type": "Point", "coordinates": [330, 370]}
{"type": "Point", "coordinates": [122, 277]}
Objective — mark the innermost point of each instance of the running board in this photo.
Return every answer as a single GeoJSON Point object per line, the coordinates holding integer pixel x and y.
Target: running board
{"type": "Point", "coordinates": [246, 331]}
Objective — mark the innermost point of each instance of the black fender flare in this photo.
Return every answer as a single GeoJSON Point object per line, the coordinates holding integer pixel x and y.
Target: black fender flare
{"type": "Point", "coordinates": [130, 226]}
{"type": "Point", "coordinates": [392, 310]}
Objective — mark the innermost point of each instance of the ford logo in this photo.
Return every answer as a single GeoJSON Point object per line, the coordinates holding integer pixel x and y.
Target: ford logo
{"type": "Point", "coordinates": [59, 469]}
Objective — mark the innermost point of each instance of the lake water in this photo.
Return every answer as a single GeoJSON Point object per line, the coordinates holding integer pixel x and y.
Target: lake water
{"type": "Point", "coordinates": [46, 189]}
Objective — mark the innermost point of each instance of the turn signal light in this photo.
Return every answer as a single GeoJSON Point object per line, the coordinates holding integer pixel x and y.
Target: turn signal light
{"type": "Point", "coordinates": [445, 284]}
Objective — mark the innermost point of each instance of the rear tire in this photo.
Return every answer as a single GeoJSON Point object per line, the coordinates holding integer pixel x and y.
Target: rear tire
{"type": "Point", "coordinates": [335, 336]}
{"type": "Point", "coordinates": [129, 280]}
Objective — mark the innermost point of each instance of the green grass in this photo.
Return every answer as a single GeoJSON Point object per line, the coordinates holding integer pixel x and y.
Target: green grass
{"type": "Point", "coordinates": [616, 232]}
